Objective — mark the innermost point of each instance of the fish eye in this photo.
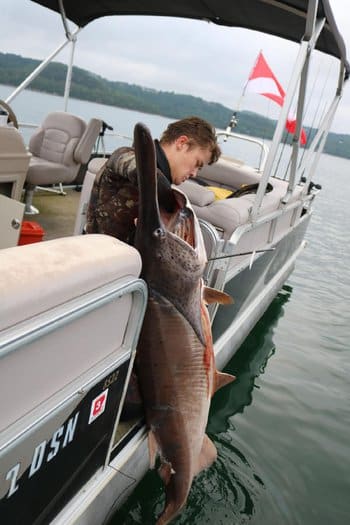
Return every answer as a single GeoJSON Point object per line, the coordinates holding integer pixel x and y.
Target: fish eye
{"type": "Point", "coordinates": [159, 232]}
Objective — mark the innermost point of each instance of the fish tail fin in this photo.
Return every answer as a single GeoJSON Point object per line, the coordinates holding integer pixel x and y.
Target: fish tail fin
{"type": "Point", "coordinates": [176, 489]}
{"type": "Point", "coordinates": [176, 497]}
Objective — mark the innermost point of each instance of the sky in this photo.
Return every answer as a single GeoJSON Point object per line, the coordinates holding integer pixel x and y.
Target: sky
{"type": "Point", "coordinates": [176, 55]}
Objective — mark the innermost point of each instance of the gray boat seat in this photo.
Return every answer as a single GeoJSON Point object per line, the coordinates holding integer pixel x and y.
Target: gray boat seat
{"type": "Point", "coordinates": [59, 147]}
{"type": "Point", "coordinates": [14, 162]}
{"type": "Point", "coordinates": [228, 214]}
{"type": "Point", "coordinates": [66, 307]}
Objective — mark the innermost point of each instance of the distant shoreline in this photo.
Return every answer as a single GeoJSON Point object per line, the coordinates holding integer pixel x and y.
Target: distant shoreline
{"type": "Point", "coordinates": [89, 87]}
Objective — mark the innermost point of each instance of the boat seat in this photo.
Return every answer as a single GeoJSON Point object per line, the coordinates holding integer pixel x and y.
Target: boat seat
{"type": "Point", "coordinates": [14, 162]}
{"type": "Point", "coordinates": [42, 285]}
{"type": "Point", "coordinates": [228, 214]}
{"type": "Point", "coordinates": [228, 173]}
{"type": "Point", "coordinates": [222, 174]}
{"type": "Point", "coordinates": [59, 147]}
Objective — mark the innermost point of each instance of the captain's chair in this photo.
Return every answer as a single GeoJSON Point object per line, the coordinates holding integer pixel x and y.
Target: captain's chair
{"type": "Point", "coordinates": [59, 147]}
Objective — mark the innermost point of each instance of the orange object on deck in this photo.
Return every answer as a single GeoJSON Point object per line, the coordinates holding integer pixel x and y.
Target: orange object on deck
{"type": "Point", "coordinates": [30, 232]}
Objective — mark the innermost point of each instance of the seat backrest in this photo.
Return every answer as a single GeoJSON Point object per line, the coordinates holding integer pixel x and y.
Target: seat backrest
{"type": "Point", "coordinates": [85, 145]}
{"type": "Point", "coordinates": [65, 139]}
{"type": "Point", "coordinates": [57, 137]}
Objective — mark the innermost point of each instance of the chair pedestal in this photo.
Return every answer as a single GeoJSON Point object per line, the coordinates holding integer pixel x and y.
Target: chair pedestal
{"type": "Point", "coordinates": [28, 199]}
{"type": "Point", "coordinates": [58, 190]}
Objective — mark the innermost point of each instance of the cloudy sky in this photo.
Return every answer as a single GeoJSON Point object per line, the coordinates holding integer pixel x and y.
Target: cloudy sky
{"type": "Point", "coordinates": [180, 56]}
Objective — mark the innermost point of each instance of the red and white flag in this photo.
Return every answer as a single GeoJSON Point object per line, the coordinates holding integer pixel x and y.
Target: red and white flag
{"type": "Point", "coordinates": [263, 81]}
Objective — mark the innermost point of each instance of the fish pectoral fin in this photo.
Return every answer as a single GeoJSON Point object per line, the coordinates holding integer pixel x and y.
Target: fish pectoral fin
{"type": "Point", "coordinates": [207, 455]}
{"type": "Point", "coordinates": [222, 379]}
{"type": "Point", "coordinates": [152, 449]}
{"type": "Point", "coordinates": [211, 295]}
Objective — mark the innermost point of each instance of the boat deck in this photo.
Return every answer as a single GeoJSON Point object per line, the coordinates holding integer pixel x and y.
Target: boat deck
{"type": "Point", "coordinates": [57, 212]}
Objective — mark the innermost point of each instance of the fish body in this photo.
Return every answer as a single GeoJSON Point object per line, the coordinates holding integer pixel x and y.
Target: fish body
{"type": "Point", "coordinates": [175, 357]}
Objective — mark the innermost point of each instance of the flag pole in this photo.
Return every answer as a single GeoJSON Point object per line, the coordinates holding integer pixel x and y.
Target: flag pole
{"type": "Point", "coordinates": [232, 124]}
{"type": "Point", "coordinates": [251, 72]}
{"type": "Point", "coordinates": [234, 120]}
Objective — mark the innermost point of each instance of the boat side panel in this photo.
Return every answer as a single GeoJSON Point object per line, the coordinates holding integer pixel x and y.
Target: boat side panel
{"type": "Point", "coordinates": [246, 286]}
{"type": "Point", "coordinates": [104, 494]}
{"type": "Point", "coordinates": [40, 475]}
{"type": "Point", "coordinates": [64, 366]}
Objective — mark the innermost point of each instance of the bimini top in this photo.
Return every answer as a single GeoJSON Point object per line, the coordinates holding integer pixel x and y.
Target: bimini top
{"type": "Point", "coordinates": [285, 19]}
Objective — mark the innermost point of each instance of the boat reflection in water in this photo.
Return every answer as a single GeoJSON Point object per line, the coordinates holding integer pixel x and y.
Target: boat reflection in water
{"type": "Point", "coordinates": [247, 364]}
{"type": "Point", "coordinates": [230, 489]}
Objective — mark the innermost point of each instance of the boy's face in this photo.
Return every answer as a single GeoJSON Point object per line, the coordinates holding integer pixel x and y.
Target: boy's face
{"type": "Point", "coordinates": [186, 159]}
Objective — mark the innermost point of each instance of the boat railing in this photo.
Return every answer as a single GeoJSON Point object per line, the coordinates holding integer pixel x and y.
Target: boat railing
{"type": "Point", "coordinates": [268, 218]}
{"type": "Point", "coordinates": [297, 85]}
{"type": "Point", "coordinates": [260, 144]}
{"type": "Point", "coordinates": [221, 269]}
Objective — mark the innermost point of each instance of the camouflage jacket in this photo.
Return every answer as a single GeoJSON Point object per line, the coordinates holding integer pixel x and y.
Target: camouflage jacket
{"type": "Point", "coordinates": [114, 198]}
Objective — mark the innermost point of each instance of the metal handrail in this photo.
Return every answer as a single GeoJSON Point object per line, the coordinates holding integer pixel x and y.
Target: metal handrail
{"type": "Point", "coordinates": [263, 147]}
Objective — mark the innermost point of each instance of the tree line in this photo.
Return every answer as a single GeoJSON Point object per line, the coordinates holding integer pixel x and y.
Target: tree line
{"type": "Point", "coordinates": [94, 88]}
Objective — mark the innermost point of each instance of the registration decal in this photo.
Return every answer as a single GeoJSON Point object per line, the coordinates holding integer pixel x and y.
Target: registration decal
{"type": "Point", "coordinates": [98, 406]}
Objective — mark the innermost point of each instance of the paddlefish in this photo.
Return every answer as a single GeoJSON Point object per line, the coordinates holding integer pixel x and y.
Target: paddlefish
{"type": "Point", "coordinates": [175, 358]}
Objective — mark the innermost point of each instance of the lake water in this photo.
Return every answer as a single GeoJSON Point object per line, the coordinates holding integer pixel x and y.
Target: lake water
{"type": "Point", "coordinates": [282, 430]}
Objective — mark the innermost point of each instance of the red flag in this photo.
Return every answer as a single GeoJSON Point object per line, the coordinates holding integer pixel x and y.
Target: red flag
{"type": "Point", "coordinates": [262, 80]}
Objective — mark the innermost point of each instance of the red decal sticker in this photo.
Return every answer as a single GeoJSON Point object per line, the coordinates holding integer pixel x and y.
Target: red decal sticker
{"type": "Point", "coordinates": [98, 406]}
